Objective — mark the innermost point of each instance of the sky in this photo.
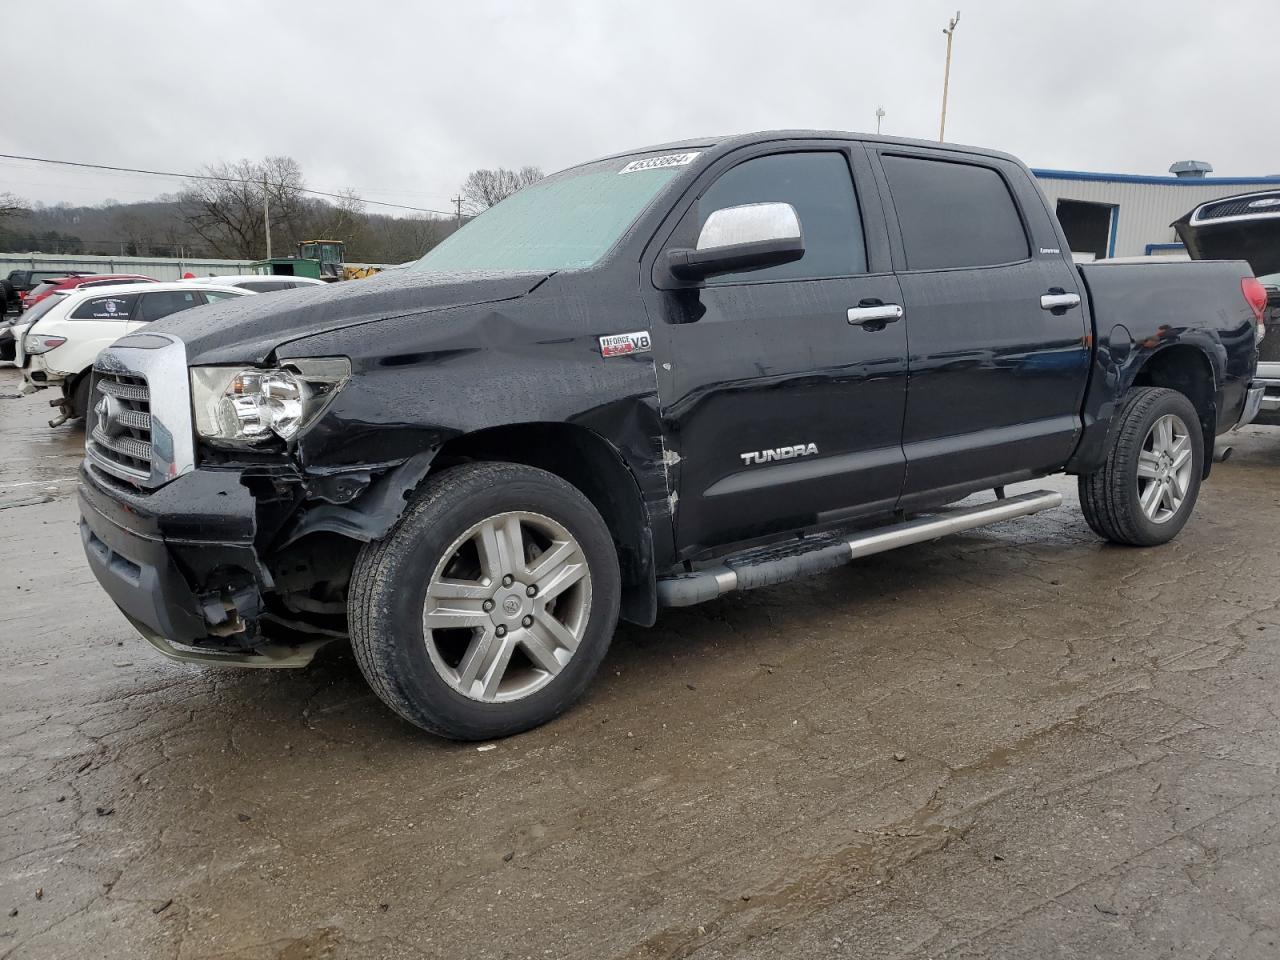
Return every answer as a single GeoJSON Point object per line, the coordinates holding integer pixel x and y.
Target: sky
{"type": "Point", "coordinates": [397, 101]}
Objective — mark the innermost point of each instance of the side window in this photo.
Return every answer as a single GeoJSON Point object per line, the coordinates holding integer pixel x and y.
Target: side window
{"type": "Point", "coordinates": [107, 308]}
{"type": "Point", "coordinates": [954, 214]}
{"type": "Point", "coordinates": [216, 296]}
{"type": "Point", "coordinates": [157, 305]}
{"type": "Point", "coordinates": [265, 286]}
{"type": "Point", "coordinates": [820, 187]}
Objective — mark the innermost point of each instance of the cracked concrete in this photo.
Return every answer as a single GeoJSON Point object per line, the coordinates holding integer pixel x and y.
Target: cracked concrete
{"type": "Point", "coordinates": [1090, 739]}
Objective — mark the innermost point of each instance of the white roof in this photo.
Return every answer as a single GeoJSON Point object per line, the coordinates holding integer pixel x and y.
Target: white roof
{"type": "Point", "coordinates": [88, 293]}
{"type": "Point", "coordinates": [242, 277]}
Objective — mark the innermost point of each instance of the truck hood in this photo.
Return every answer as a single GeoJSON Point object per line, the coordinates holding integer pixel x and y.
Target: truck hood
{"type": "Point", "coordinates": [1254, 237]}
{"type": "Point", "coordinates": [248, 329]}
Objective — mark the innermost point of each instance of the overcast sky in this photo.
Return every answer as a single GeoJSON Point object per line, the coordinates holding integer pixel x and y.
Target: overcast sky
{"type": "Point", "coordinates": [398, 101]}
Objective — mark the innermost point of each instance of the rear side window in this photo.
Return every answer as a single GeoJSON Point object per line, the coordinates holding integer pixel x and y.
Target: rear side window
{"type": "Point", "coordinates": [107, 308]}
{"type": "Point", "coordinates": [266, 286]}
{"type": "Point", "coordinates": [954, 214]}
{"type": "Point", "coordinates": [154, 306]}
{"type": "Point", "coordinates": [820, 187]}
{"type": "Point", "coordinates": [213, 296]}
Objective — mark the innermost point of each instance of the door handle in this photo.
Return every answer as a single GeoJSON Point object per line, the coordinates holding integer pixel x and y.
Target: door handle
{"type": "Point", "coordinates": [1057, 300]}
{"type": "Point", "coordinates": [876, 315]}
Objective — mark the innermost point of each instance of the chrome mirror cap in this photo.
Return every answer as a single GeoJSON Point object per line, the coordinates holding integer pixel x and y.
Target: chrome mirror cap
{"type": "Point", "coordinates": [750, 223]}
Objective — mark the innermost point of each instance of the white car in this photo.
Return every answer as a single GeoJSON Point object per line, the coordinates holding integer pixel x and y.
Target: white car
{"type": "Point", "coordinates": [260, 283]}
{"type": "Point", "coordinates": [61, 341]}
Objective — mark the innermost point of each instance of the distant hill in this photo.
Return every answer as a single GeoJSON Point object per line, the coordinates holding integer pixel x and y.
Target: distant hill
{"type": "Point", "coordinates": [158, 228]}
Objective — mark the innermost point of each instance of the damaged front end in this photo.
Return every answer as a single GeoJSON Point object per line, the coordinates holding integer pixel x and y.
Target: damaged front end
{"type": "Point", "coordinates": [230, 552]}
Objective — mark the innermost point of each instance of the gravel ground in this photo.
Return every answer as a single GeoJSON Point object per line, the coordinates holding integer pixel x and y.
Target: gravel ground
{"type": "Point", "coordinates": [1018, 742]}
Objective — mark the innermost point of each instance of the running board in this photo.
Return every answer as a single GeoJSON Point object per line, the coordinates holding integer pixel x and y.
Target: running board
{"type": "Point", "coordinates": [777, 564]}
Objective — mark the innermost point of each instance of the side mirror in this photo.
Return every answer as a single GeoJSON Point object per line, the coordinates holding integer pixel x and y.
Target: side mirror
{"type": "Point", "coordinates": [747, 237]}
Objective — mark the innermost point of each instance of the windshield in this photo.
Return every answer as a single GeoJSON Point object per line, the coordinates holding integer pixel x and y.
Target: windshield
{"type": "Point", "coordinates": [566, 222]}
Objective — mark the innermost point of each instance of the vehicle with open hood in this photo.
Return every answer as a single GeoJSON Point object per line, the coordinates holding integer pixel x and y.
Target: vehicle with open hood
{"type": "Point", "coordinates": [1246, 227]}
{"type": "Point", "coordinates": [643, 382]}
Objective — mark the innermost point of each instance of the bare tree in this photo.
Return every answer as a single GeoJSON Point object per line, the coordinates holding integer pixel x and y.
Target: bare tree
{"type": "Point", "coordinates": [227, 212]}
{"type": "Point", "coordinates": [483, 188]}
{"type": "Point", "coordinates": [11, 206]}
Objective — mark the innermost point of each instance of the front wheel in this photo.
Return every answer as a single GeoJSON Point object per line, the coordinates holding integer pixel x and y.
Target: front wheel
{"type": "Point", "coordinates": [79, 397]}
{"type": "Point", "coordinates": [489, 606]}
{"type": "Point", "coordinates": [1146, 490]}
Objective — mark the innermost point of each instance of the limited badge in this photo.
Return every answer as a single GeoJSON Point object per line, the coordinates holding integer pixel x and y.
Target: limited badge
{"type": "Point", "coordinates": [658, 163]}
{"type": "Point", "coordinates": [621, 344]}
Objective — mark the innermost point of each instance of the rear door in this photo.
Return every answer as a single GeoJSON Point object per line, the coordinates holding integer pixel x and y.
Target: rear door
{"type": "Point", "coordinates": [93, 324]}
{"type": "Point", "coordinates": [999, 345]}
{"type": "Point", "coordinates": [780, 411]}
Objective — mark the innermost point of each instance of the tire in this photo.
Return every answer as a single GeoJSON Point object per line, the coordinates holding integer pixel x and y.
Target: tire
{"type": "Point", "coordinates": [1111, 496]}
{"type": "Point", "coordinates": [425, 673]}
{"type": "Point", "coordinates": [80, 397]}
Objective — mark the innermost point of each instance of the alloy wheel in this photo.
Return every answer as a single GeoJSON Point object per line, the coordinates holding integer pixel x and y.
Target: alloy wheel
{"type": "Point", "coordinates": [1164, 468]}
{"type": "Point", "coordinates": [507, 607]}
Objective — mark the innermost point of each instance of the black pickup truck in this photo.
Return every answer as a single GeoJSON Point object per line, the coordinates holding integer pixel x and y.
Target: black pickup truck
{"type": "Point", "coordinates": [643, 382]}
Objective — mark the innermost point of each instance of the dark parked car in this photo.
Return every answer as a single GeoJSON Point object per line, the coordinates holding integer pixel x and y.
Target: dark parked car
{"type": "Point", "coordinates": [24, 280]}
{"type": "Point", "coordinates": [643, 382]}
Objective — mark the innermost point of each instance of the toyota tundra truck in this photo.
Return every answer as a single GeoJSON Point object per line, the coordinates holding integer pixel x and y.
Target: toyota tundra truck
{"type": "Point", "coordinates": [644, 382]}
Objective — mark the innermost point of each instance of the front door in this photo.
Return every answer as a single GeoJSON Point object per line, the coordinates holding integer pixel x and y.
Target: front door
{"type": "Point", "coordinates": [782, 411]}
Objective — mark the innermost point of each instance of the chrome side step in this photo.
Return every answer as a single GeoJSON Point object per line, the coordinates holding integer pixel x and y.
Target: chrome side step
{"type": "Point", "coordinates": [778, 564]}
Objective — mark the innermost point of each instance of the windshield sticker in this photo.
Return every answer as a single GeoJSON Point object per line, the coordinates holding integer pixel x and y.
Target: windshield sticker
{"type": "Point", "coordinates": [658, 163]}
{"type": "Point", "coordinates": [622, 344]}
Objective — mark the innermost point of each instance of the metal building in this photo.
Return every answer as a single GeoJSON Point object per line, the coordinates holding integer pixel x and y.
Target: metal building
{"type": "Point", "coordinates": [1128, 215]}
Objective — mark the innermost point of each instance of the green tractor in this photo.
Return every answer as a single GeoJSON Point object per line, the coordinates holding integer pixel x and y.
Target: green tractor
{"type": "Point", "coordinates": [318, 259]}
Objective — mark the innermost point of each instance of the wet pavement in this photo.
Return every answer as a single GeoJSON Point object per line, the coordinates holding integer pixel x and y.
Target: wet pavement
{"type": "Point", "coordinates": [1019, 742]}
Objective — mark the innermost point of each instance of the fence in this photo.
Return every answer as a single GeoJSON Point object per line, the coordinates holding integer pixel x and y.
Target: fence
{"type": "Point", "coordinates": [158, 268]}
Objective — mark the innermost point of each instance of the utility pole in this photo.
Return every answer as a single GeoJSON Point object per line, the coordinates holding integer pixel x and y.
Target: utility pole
{"type": "Point", "coordinates": [879, 117]}
{"type": "Point", "coordinates": [457, 202]}
{"type": "Point", "coordinates": [946, 76]}
{"type": "Point", "coordinates": [266, 214]}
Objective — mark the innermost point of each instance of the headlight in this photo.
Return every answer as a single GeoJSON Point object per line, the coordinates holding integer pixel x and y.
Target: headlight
{"type": "Point", "coordinates": [248, 405]}
{"type": "Point", "coordinates": [36, 343]}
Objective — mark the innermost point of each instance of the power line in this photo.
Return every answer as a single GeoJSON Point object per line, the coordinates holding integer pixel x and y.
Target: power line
{"type": "Point", "coordinates": [206, 176]}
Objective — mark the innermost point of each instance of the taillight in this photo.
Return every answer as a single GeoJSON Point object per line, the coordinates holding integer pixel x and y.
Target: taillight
{"type": "Point", "coordinates": [37, 344]}
{"type": "Point", "coordinates": [1255, 294]}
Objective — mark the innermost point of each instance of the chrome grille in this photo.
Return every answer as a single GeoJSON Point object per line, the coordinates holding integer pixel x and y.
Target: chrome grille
{"type": "Point", "coordinates": [120, 432]}
{"type": "Point", "coordinates": [138, 427]}
{"type": "Point", "coordinates": [1266, 203]}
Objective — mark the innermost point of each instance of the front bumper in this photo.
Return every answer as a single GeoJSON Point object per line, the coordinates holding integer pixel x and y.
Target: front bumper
{"type": "Point", "coordinates": [180, 563]}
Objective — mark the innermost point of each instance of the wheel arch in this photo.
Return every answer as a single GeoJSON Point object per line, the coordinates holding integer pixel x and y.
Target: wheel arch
{"type": "Point", "coordinates": [583, 458]}
{"type": "Point", "coordinates": [1189, 370]}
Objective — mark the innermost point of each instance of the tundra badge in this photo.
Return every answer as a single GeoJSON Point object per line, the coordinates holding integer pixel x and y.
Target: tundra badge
{"type": "Point", "coordinates": [621, 344]}
{"type": "Point", "coordinates": [779, 453]}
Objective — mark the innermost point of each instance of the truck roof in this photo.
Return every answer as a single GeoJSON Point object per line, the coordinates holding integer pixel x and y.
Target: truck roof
{"type": "Point", "coordinates": [725, 143]}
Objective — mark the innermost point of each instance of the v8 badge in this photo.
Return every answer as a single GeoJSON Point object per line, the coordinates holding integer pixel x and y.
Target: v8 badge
{"type": "Point", "coordinates": [622, 344]}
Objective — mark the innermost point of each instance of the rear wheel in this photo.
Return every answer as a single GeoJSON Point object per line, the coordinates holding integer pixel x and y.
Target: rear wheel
{"type": "Point", "coordinates": [1145, 492]}
{"type": "Point", "coordinates": [489, 606]}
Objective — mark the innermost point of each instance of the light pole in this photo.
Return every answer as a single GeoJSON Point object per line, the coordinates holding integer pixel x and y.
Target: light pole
{"type": "Point", "coordinates": [879, 117]}
{"type": "Point", "coordinates": [266, 214]}
{"type": "Point", "coordinates": [946, 76]}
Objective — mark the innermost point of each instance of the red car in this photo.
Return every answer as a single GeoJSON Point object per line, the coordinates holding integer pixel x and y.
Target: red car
{"type": "Point", "coordinates": [47, 287]}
